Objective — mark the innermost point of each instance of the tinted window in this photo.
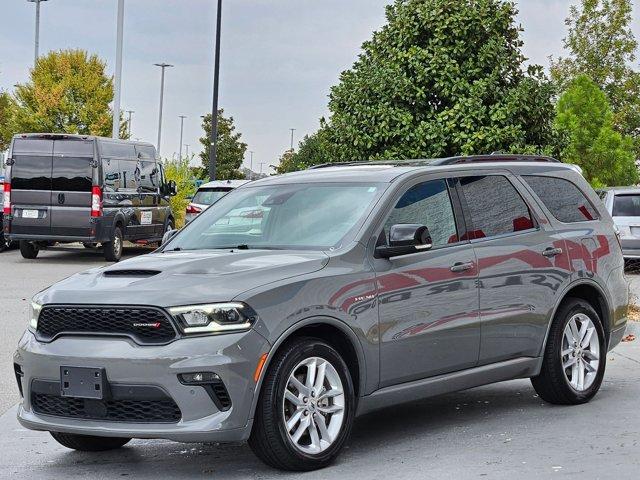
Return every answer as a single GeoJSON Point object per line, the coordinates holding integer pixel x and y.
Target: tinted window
{"type": "Point", "coordinates": [72, 174]}
{"type": "Point", "coordinates": [209, 196]}
{"type": "Point", "coordinates": [426, 204]}
{"type": "Point", "coordinates": [146, 151]}
{"type": "Point", "coordinates": [149, 176]}
{"type": "Point", "coordinates": [31, 172]}
{"type": "Point", "coordinates": [626, 206]}
{"type": "Point", "coordinates": [73, 148]}
{"type": "Point", "coordinates": [32, 145]}
{"type": "Point", "coordinates": [495, 206]}
{"type": "Point", "coordinates": [564, 200]}
{"type": "Point", "coordinates": [128, 174]}
{"type": "Point", "coordinates": [111, 174]}
{"type": "Point", "coordinates": [118, 150]}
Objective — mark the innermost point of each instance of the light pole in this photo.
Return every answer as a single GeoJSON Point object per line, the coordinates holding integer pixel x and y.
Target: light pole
{"type": "Point", "coordinates": [213, 151]}
{"type": "Point", "coordinates": [261, 164]}
{"type": "Point", "coordinates": [37, 47]}
{"type": "Point", "coordinates": [130, 112]}
{"type": "Point", "coordinates": [117, 81]}
{"type": "Point", "coordinates": [292, 131]}
{"type": "Point", "coordinates": [163, 66]}
{"type": "Point", "coordinates": [187, 146]}
{"type": "Point", "coordinates": [182, 117]}
{"type": "Point", "coordinates": [251, 165]}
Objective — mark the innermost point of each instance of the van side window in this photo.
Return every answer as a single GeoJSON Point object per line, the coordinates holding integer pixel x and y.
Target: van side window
{"type": "Point", "coordinates": [495, 207]}
{"type": "Point", "coordinates": [149, 177]}
{"type": "Point", "coordinates": [427, 204]}
{"type": "Point", "coordinates": [128, 174]}
{"type": "Point", "coordinates": [563, 198]}
{"type": "Point", "coordinates": [111, 172]}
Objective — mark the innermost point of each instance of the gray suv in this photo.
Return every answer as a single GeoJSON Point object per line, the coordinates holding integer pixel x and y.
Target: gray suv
{"type": "Point", "coordinates": [70, 188]}
{"type": "Point", "coordinates": [344, 289]}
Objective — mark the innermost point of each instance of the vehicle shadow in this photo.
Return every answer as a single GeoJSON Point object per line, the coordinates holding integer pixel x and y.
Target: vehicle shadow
{"type": "Point", "coordinates": [421, 424]}
{"type": "Point", "coordinates": [73, 254]}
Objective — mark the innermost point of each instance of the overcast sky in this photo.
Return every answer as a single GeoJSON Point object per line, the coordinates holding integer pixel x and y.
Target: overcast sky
{"type": "Point", "coordinates": [279, 57]}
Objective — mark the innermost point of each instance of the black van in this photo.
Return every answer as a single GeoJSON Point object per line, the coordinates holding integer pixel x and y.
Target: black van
{"type": "Point", "coordinates": [70, 188]}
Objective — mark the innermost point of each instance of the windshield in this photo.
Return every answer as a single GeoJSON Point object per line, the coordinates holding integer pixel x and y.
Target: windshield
{"type": "Point", "coordinates": [209, 196]}
{"type": "Point", "coordinates": [303, 216]}
{"type": "Point", "coordinates": [626, 206]}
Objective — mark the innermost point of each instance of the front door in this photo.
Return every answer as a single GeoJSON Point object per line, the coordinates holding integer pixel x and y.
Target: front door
{"type": "Point", "coordinates": [428, 301]}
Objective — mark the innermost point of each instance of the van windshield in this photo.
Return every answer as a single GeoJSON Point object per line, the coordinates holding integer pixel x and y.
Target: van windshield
{"type": "Point", "coordinates": [302, 216]}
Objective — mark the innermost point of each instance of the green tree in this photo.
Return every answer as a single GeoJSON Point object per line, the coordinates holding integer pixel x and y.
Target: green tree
{"type": "Point", "coordinates": [601, 44]}
{"type": "Point", "coordinates": [5, 132]}
{"type": "Point", "coordinates": [442, 77]}
{"type": "Point", "coordinates": [180, 171]}
{"type": "Point", "coordinates": [68, 92]}
{"type": "Point", "coordinates": [231, 149]}
{"type": "Point", "coordinates": [585, 121]}
{"type": "Point", "coordinates": [313, 150]}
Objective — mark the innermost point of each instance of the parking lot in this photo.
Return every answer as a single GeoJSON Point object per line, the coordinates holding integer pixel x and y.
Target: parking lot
{"type": "Point", "coordinates": [498, 431]}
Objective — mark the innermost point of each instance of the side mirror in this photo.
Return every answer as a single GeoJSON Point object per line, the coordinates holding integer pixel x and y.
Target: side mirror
{"type": "Point", "coordinates": [170, 188]}
{"type": "Point", "coordinates": [405, 239]}
{"type": "Point", "coordinates": [168, 236]}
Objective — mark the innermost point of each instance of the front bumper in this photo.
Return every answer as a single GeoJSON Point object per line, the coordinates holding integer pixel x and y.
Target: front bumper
{"type": "Point", "coordinates": [232, 357]}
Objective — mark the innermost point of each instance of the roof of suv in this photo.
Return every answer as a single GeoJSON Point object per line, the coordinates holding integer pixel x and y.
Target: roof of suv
{"type": "Point", "coordinates": [388, 171]}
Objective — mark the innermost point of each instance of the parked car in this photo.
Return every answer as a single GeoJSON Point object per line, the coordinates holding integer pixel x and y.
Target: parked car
{"type": "Point", "coordinates": [70, 188]}
{"type": "Point", "coordinates": [360, 287]}
{"type": "Point", "coordinates": [623, 203]}
{"type": "Point", "coordinates": [5, 243]}
{"type": "Point", "coordinates": [208, 194]}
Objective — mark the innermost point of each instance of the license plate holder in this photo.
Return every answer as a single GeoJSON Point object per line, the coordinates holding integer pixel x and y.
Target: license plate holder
{"type": "Point", "coordinates": [30, 214]}
{"type": "Point", "coordinates": [83, 382]}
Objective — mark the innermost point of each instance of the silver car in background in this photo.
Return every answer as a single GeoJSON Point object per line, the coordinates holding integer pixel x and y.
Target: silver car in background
{"type": "Point", "coordinates": [208, 194]}
{"type": "Point", "coordinates": [623, 203]}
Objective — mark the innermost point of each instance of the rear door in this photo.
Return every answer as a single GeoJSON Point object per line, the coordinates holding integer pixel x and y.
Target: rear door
{"type": "Point", "coordinates": [71, 183]}
{"type": "Point", "coordinates": [30, 178]}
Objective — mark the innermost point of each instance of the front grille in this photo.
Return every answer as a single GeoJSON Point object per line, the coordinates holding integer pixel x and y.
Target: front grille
{"type": "Point", "coordinates": [134, 411]}
{"type": "Point", "coordinates": [144, 325]}
{"type": "Point", "coordinates": [220, 392]}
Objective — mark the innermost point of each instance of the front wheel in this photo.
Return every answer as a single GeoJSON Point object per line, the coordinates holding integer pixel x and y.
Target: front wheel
{"type": "Point", "coordinates": [86, 443]}
{"type": "Point", "coordinates": [306, 407]}
{"type": "Point", "coordinates": [29, 250]}
{"type": "Point", "coordinates": [575, 357]}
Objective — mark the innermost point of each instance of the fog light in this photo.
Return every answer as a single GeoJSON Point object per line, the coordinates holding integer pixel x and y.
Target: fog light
{"type": "Point", "coordinates": [198, 378]}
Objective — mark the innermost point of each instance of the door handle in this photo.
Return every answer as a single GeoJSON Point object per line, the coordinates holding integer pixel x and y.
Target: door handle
{"type": "Point", "coordinates": [462, 267]}
{"type": "Point", "coordinates": [552, 252]}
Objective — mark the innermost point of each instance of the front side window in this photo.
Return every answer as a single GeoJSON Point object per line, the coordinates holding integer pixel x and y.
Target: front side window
{"type": "Point", "coordinates": [426, 204]}
{"type": "Point", "coordinates": [564, 199]}
{"type": "Point", "coordinates": [495, 207]}
{"type": "Point", "coordinates": [302, 216]}
{"type": "Point", "coordinates": [626, 206]}
{"type": "Point", "coordinates": [149, 177]}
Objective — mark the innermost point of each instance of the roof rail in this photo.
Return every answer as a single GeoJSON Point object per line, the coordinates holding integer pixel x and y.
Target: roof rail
{"type": "Point", "coordinates": [494, 157]}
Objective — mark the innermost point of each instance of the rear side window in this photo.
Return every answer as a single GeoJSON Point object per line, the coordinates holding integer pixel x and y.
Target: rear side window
{"type": "Point", "coordinates": [426, 204]}
{"type": "Point", "coordinates": [563, 198]}
{"type": "Point", "coordinates": [128, 174]}
{"type": "Point", "coordinates": [495, 206]}
{"type": "Point", "coordinates": [626, 206]}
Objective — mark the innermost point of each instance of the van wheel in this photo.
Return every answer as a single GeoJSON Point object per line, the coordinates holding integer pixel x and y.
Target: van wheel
{"type": "Point", "coordinates": [113, 248]}
{"type": "Point", "coordinates": [29, 250]}
{"type": "Point", "coordinates": [575, 356]}
{"type": "Point", "coordinates": [306, 407]}
{"type": "Point", "coordinates": [86, 443]}
{"type": "Point", "coordinates": [167, 228]}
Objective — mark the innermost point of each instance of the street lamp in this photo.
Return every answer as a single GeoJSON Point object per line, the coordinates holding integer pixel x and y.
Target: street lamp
{"type": "Point", "coordinates": [213, 151]}
{"type": "Point", "coordinates": [163, 66]}
{"type": "Point", "coordinates": [117, 81]}
{"type": "Point", "coordinates": [292, 131]}
{"type": "Point", "coordinates": [130, 112]}
{"type": "Point", "coordinates": [251, 165]}
{"type": "Point", "coordinates": [182, 117]}
{"type": "Point", "coordinates": [187, 146]}
{"type": "Point", "coordinates": [37, 47]}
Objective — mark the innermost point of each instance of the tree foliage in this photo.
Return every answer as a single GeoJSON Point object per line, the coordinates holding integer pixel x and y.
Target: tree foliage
{"type": "Point", "coordinates": [5, 133]}
{"type": "Point", "coordinates": [231, 149]}
{"type": "Point", "coordinates": [180, 171]}
{"type": "Point", "coordinates": [312, 150]}
{"type": "Point", "coordinates": [442, 77]}
{"type": "Point", "coordinates": [585, 121]}
{"type": "Point", "coordinates": [601, 44]}
{"type": "Point", "coordinates": [68, 92]}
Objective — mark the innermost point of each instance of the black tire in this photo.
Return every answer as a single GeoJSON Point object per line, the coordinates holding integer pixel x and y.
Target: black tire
{"type": "Point", "coordinates": [29, 250]}
{"type": "Point", "coordinates": [269, 439]}
{"type": "Point", "coordinates": [552, 384]}
{"type": "Point", "coordinates": [113, 248]}
{"type": "Point", "coordinates": [4, 243]}
{"type": "Point", "coordinates": [86, 443]}
{"type": "Point", "coordinates": [168, 227]}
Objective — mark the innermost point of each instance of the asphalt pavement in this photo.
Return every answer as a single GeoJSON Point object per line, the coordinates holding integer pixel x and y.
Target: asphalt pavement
{"type": "Point", "coordinates": [498, 431]}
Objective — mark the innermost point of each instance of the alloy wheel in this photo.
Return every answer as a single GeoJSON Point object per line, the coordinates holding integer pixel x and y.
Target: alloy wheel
{"type": "Point", "coordinates": [313, 405]}
{"type": "Point", "coordinates": [580, 353]}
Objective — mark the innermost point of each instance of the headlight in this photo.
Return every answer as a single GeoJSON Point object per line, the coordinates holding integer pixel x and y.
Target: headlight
{"type": "Point", "coordinates": [34, 313]}
{"type": "Point", "coordinates": [214, 318]}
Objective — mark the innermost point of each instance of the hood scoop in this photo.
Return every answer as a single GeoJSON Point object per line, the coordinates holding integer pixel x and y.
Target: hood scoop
{"type": "Point", "coordinates": [130, 273]}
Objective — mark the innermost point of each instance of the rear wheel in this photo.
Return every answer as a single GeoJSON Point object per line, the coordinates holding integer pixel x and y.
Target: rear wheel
{"type": "Point", "coordinates": [306, 407]}
{"type": "Point", "coordinates": [29, 250]}
{"type": "Point", "coordinates": [575, 356]}
{"type": "Point", "coordinates": [168, 228]}
{"type": "Point", "coordinates": [113, 248]}
{"type": "Point", "coordinates": [86, 443]}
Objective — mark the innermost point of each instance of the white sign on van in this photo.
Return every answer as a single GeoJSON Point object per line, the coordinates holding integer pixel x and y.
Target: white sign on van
{"type": "Point", "coordinates": [145, 218]}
